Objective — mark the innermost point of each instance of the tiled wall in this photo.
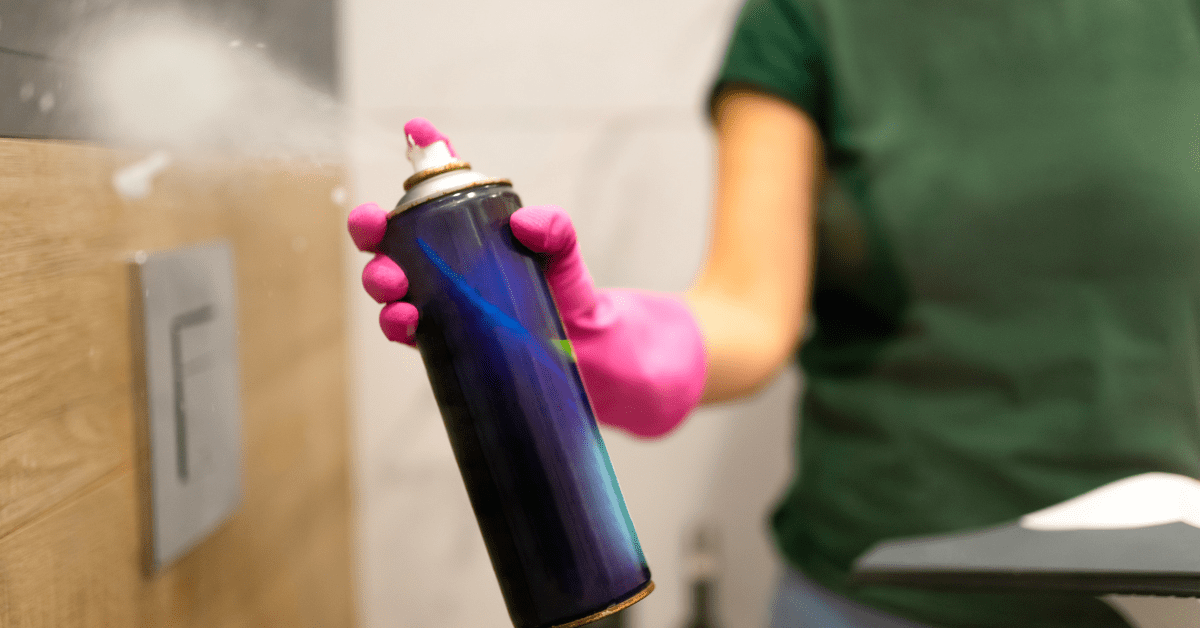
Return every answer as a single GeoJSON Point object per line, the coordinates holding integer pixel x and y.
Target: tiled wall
{"type": "Point", "coordinates": [597, 107]}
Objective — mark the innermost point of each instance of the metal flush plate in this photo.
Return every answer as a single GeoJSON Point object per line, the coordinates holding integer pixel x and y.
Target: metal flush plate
{"type": "Point", "coordinates": [193, 412]}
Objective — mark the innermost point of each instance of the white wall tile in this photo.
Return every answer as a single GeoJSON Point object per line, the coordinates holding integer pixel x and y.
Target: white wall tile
{"type": "Point", "coordinates": [531, 53]}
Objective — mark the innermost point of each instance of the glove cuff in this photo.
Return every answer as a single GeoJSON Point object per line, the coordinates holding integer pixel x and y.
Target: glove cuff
{"type": "Point", "coordinates": [643, 361]}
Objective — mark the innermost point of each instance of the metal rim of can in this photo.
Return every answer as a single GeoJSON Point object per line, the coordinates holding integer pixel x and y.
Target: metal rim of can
{"type": "Point", "coordinates": [418, 177]}
{"type": "Point", "coordinates": [440, 193]}
{"type": "Point", "coordinates": [638, 596]}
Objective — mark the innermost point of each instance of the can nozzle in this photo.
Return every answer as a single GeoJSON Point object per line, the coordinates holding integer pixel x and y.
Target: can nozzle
{"type": "Point", "coordinates": [427, 147]}
{"type": "Point", "coordinates": [439, 171]}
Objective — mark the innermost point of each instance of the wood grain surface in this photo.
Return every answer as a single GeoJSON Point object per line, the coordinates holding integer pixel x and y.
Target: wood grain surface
{"type": "Point", "coordinates": [72, 504]}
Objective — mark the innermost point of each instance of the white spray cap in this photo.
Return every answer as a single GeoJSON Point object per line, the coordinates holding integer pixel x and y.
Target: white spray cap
{"type": "Point", "coordinates": [439, 171]}
{"type": "Point", "coordinates": [427, 147]}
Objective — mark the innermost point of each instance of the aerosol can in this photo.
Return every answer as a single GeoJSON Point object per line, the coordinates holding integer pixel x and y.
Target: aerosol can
{"type": "Point", "coordinates": [504, 375]}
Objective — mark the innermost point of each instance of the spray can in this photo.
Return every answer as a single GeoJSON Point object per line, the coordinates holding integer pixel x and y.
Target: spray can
{"type": "Point", "coordinates": [537, 474]}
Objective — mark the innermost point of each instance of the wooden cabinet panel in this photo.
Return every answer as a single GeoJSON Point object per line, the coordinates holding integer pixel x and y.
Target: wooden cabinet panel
{"type": "Point", "coordinates": [72, 500]}
{"type": "Point", "coordinates": [59, 456]}
{"type": "Point", "coordinates": [75, 566]}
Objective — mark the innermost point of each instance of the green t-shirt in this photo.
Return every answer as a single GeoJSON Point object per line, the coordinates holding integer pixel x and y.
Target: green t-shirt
{"type": "Point", "coordinates": [1007, 300]}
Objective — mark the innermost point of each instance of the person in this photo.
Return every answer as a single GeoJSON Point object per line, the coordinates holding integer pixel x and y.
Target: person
{"type": "Point", "coordinates": [991, 213]}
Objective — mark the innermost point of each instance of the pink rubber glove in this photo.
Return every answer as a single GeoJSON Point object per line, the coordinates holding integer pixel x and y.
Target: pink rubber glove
{"type": "Point", "coordinates": [640, 353]}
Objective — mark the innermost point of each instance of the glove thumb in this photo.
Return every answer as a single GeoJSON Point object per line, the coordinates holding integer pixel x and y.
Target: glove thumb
{"type": "Point", "coordinates": [548, 230]}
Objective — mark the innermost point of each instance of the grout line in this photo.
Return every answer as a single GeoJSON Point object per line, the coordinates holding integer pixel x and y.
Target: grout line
{"type": "Point", "coordinates": [123, 467]}
{"type": "Point", "coordinates": [32, 55]}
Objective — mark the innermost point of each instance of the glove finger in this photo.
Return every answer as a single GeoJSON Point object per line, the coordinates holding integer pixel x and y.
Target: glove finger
{"type": "Point", "coordinates": [367, 224]}
{"type": "Point", "coordinates": [547, 229]}
{"type": "Point", "coordinates": [384, 280]}
{"type": "Point", "coordinates": [399, 322]}
{"type": "Point", "coordinates": [544, 229]}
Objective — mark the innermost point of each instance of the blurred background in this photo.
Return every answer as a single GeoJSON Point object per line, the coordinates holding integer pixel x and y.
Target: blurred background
{"type": "Point", "coordinates": [146, 125]}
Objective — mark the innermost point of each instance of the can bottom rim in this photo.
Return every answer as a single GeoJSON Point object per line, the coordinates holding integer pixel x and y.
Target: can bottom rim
{"type": "Point", "coordinates": [619, 606]}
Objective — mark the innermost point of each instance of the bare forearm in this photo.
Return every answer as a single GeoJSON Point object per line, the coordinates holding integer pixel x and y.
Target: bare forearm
{"type": "Point", "coordinates": [751, 297]}
{"type": "Point", "coordinates": [744, 349]}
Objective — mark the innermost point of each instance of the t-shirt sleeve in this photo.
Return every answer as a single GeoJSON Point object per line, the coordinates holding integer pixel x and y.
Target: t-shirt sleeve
{"type": "Point", "coordinates": [773, 49]}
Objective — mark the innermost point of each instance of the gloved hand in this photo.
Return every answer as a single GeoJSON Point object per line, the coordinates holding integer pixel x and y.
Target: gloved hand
{"type": "Point", "coordinates": [640, 354]}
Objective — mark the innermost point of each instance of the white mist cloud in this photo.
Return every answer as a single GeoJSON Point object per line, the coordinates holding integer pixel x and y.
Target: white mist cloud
{"type": "Point", "coordinates": [164, 81]}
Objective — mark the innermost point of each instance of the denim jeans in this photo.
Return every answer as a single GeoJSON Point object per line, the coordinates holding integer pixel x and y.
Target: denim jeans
{"type": "Point", "coordinates": [802, 603]}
